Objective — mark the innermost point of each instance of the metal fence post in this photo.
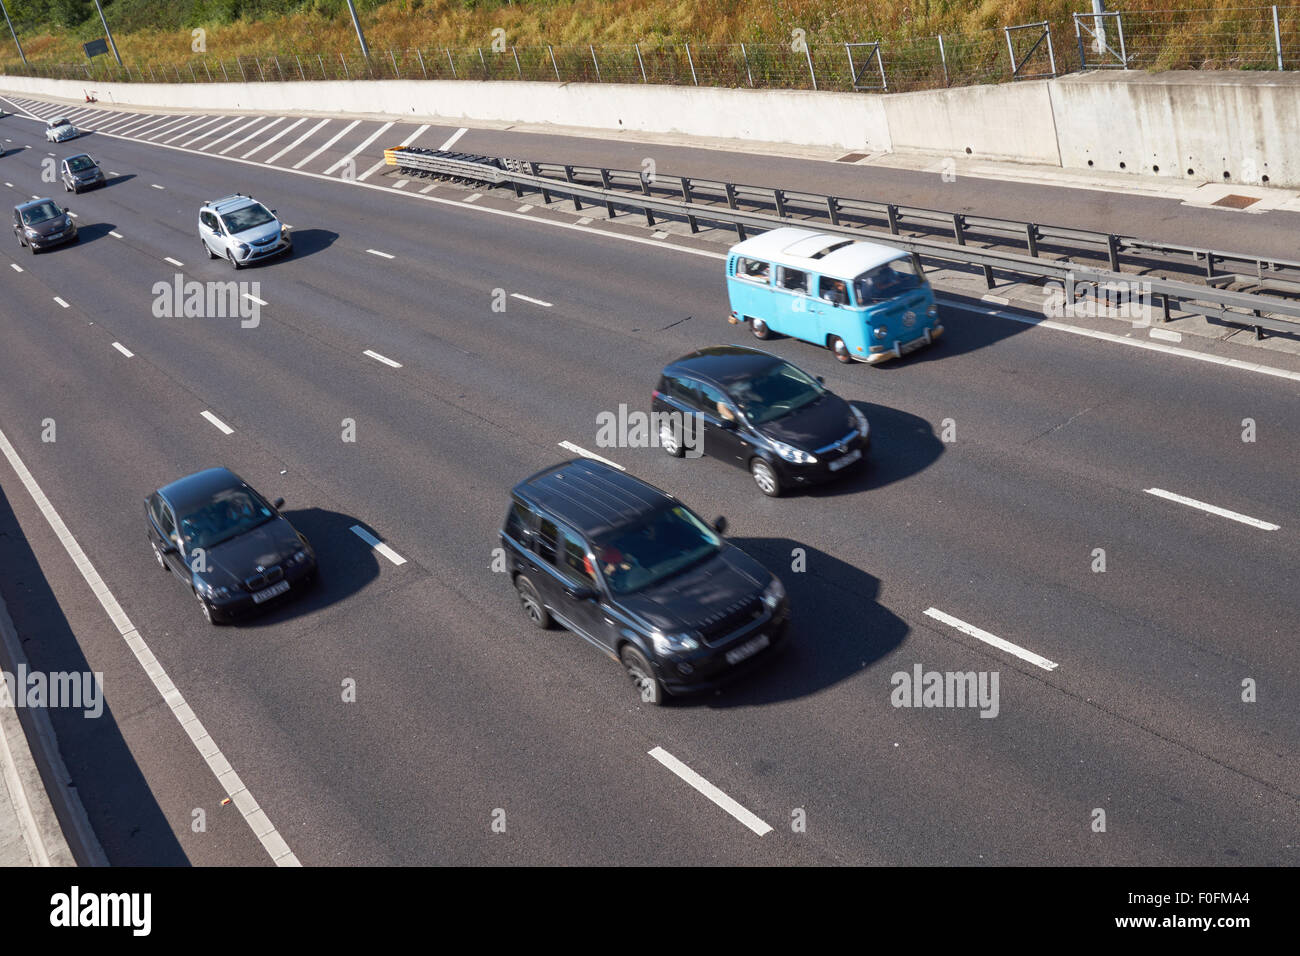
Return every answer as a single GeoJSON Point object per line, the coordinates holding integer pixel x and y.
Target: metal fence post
{"type": "Point", "coordinates": [207, 71]}
{"type": "Point", "coordinates": [518, 69]}
{"type": "Point", "coordinates": [1277, 37]}
{"type": "Point", "coordinates": [242, 75]}
{"type": "Point", "coordinates": [261, 74]}
{"type": "Point", "coordinates": [224, 75]}
{"type": "Point", "coordinates": [396, 72]}
{"type": "Point", "coordinates": [151, 78]}
{"type": "Point", "coordinates": [691, 61]}
{"type": "Point", "coordinates": [553, 63]}
{"type": "Point", "coordinates": [807, 52]}
{"type": "Point", "coordinates": [451, 61]}
{"type": "Point", "coordinates": [177, 69]}
{"type": "Point", "coordinates": [943, 56]}
{"type": "Point", "coordinates": [594, 61]}
{"type": "Point", "coordinates": [483, 60]}
{"type": "Point", "coordinates": [420, 56]}
{"type": "Point", "coordinates": [640, 62]}
{"type": "Point", "coordinates": [346, 74]}
{"type": "Point", "coordinates": [320, 60]}
{"type": "Point", "coordinates": [279, 73]}
{"type": "Point", "coordinates": [301, 71]}
{"type": "Point", "coordinates": [193, 77]}
{"type": "Point", "coordinates": [748, 72]}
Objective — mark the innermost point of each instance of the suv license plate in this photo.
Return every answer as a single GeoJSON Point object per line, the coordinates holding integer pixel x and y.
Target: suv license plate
{"type": "Point", "coordinates": [272, 591]}
{"type": "Point", "coordinates": [847, 460]}
{"type": "Point", "coordinates": [748, 649]}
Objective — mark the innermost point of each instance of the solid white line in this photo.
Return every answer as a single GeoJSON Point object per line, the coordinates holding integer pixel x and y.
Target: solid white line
{"type": "Point", "coordinates": [261, 146]}
{"type": "Point", "coordinates": [376, 252]}
{"type": "Point", "coordinates": [16, 267]}
{"type": "Point", "coordinates": [1131, 343]}
{"type": "Point", "coordinates": [993, 640]}
{"type": "Point", "coordinates": [257, 820]}
{"type": "Point", "coordinates": [379, 358]}
{"type": "Point", "coordinates": [414, 136]}
{"type": "Point", "coordinates": [123, 349]}
{"type": "Point", "coordinates": [1167, 335]}
{"type": "Point", "coordinates": [337, 136]}
{"type": "Point", "coordinates": [175, 262]}
{"type": "Point", "coordinates": [212, 132]}
{"type": "Point", "coordinates": [451, 140]}
{"type": "Point", "coordinates": [260, 129]}
{"type": "Point", "coordinates": [1221, 512]}
{"type": "Point", "coordinates": [225, 429]}
{"type": "Point", "coordinates": [709, 790]}
{"type": "Point", "coordinates": [516, 295]}
{"type": "Point", "coordinates": [378, 545]}
{"type": "Point", "coordinates": [60, 301]}
{"type": "Point", "coordinates": [297, 142]}
{"type": "Point", "coordinates": [192, 129]}
{"type": "Point", "coordinates": [252, 298]}
{"type": "Point", "coordinates": [352, 155]}
{"type": "Point", "coordinates": [116, 235]}
{"type": "Point", "coordinates": [579, 450]}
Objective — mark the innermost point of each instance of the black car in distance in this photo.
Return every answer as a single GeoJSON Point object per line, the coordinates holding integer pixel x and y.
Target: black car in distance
{"type": "Point", "coordinates": [758, 412]}
{"type": "Point", "coordinates": [230, 546]}
{"type": "Point", "coordinates": [635, 572]}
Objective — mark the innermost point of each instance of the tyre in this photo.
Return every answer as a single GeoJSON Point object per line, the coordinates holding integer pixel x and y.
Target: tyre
{"type": "Point", "coordinates": [642, 675]}
{"type": "Point", "coordinates": [765, 477]}
{"type": "Point", "coordinates": [836, 345]}
{"type": "Point", "coordinates": [210, 253]}
{"type": "Point", "coordinates": [532, 604]}
{"type": "Point", "coordinates": [234, 263]}
{"type": "Point", "coordinates": [759, 328]}
{"type": "Point", "coordinates": [670, 441]}
{"type": "Point", "coordinates": [158, 556]}
{"type": "Point", "coordinates": [206, 609]}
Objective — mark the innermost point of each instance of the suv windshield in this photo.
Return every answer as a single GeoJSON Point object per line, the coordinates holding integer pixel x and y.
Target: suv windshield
{"type": "Point", "coordinates": [41, 212]}
{"type": "Point", "coordinates": [886, 281]}
{"type": "Point", "coordinates": [231, 512]}
{"type": "Point", "coordinates": [775, 393]}
{"type": "Point", "coordinates": [250, 217]}
{"type": "Point", "coordinates": [646, 554]}
{"type": "Point", "coordinates": [79, 164]}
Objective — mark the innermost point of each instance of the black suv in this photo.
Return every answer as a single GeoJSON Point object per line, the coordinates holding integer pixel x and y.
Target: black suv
{"type": "Point", "coordinates": [758, 412]}
{"type": "Point", "coordinates": [638, 574]}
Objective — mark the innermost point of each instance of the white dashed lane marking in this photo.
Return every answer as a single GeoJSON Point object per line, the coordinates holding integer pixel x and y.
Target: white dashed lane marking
{"type": "Point", "coordinates": [992, 640]}
{"type": "Point", "coordinates": [378, 545]}
{"type": "Point", "coordinates": [252, 298]}
{"type": "Point", "coordinates": [749, 819]}
{"type": "Point", "coordinates": [1211, 509]}
{"type": "Point", "coordinates": [61, 302]}
{"type": "Point", "coordinates": [382, 255]}
{"type": "Point", "coordinates": [380, 358]}
{"type": "Point", "coordinates": [123, 349]}
{"type": "Point", "coordinates": [579, 450]}
{"type": "Point", "coordinates": [526, 298]}
{"type": "Point", "coordinates": [225, 429]}
{"type": "Point", "coordinates": [175, 262]}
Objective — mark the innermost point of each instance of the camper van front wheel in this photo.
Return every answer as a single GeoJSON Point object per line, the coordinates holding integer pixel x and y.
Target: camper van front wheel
{"type": "Point", "coordinates": [836, 345]}
{"type": "Point", "coordinates": [759, 328]}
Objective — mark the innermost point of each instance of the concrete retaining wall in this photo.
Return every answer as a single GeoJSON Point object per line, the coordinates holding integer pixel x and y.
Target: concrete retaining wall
{"type": "Point", "coordinates": [1195, 125]}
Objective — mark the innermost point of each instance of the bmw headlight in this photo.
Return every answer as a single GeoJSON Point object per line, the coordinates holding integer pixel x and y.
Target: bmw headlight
{"type": "Point", "coordinates": [881, 332]}
{"type": "Point", "coordinates": [298, 557]}
{"type": "Point", "coordinates": [211, 593]}
{"type": "Point", "coordinates": [791, 454]}
{"type": "Point", "coordinates": [673, 643]}
{"type": "Point", "coordinates": [864, 429]}
{"type": "Point", "coordinates": [774, 594]}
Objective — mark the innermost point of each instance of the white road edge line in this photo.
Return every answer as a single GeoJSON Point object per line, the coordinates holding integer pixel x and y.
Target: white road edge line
{"type": "Point", "coordinates": [254, 816]}
{"type": "Point", "coordinates": [516, 295]}
{"type": "Point", "coordinates": [225, 429]}
{"type": "Point", "coordinates": [992, 639]}
{"type": "Point", "coordinates": [579, 450]}
{"type": "Point", "coordinates": [380, 358]}
{"type": "Point", "coordinates": [378, 545]}
{"type": "Point", "coordinates": [1221, 512]}
{"type": "Point", "coordinates": [376, 252]}
{"type": "Point", "coordinates": [749, 819]}
{"type": "Point", "coordinates": [123, 349]}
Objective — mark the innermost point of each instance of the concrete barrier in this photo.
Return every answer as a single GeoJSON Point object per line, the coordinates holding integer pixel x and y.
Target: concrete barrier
{"type": "Point", "coordinates": [1197, 125]}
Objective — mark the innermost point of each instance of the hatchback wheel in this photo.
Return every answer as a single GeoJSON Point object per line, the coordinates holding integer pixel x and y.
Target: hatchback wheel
{"type": "Point", "coordinates": [668, 440]}
{"type": "Point", "coordinates": [532, 604]}
{"type": "Point", "coordinates": [765, 477]}
{"type": "Point", "coordinates": [234, 263]}
{"type": "Point", "coordinates": [759, 328]}
{"type": "Point", "coordinates": [208, 251]}
{"type": "Point", "coordinates": [642, 675]}
{"type": "Point", "coordinates": [840, 349]}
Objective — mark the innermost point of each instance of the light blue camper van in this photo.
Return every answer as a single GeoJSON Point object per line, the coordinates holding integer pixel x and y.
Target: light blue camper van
{"type": "Point", "coordinates": [863, 301]}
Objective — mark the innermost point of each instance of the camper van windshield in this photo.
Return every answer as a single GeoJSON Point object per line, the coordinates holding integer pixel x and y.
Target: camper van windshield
{"type": "Point", "coordinates": [886, 281]}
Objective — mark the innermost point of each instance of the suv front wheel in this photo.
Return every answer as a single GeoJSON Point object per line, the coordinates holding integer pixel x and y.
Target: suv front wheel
{"type": "Point", "coordinates": [642, 675]}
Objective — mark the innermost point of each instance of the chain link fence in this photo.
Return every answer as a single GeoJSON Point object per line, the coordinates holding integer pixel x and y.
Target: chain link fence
{"type": "Point", "coordinates": [1238, 38]}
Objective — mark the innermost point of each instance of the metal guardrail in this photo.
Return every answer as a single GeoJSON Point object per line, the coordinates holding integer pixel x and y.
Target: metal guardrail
{"type": "Point", "coordinates": [1245, 309]}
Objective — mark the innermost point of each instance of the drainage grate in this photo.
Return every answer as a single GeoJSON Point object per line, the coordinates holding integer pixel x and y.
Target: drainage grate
{"type": "Point", "coordinates": [851, 158]}
{"type": "Point", "coordinates": [1233, 201]}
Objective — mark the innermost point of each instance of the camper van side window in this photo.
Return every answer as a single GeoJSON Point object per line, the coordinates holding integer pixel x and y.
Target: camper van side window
{"type": "Point", "coordinates": [794, 280]}
{"type": "Point", "coordinates": [754, 269]}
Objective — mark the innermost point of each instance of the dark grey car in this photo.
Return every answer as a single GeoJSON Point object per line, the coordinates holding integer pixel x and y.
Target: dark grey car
{"type": "Point", "coordinates": [80, 172]}
{"type": "Point", "coordinates": [42, 224]}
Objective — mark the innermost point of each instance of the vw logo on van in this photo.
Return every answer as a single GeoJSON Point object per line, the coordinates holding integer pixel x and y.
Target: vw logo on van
{"type": "Point", "coordinates": [909, 319]}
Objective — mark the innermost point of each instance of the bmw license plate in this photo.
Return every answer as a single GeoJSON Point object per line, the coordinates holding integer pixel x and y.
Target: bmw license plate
{"type": "Point", "coordinates": [748, 649]}
{"type": "Point", "coordinates": [272, 591]}
{"type": "Point", "coordinates": [847, 460]}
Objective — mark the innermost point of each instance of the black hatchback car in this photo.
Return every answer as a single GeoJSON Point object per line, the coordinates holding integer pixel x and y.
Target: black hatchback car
{"type": "Point", "coordinates": [761, 413]}
{"type": "Point", "coordinates": [642, 577]}
{"type": "Point", "coordinates": [42, 224]}
{"type": "Point", "coordinates": [231, 547]}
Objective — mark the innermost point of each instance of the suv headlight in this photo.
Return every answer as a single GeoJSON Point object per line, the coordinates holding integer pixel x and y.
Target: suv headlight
{"type": "Point", "coordinates": [673, 643]}
{"type": "Point", "coordinates": [864, 429]}
{"type": "Point", "coordinates": [774, 594]}
{"type": "Point", "coordinates": [791, 454]}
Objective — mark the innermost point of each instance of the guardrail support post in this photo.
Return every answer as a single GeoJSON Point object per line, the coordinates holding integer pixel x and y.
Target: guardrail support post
{"type": "Point", "coordinates": [686, 197]}
{"type": "Point", "coordinates": [301, 71]}
{"type": "Point", "coordinates": [594, 61]}
{"type": "Point", "coordinates": [691, 61]}
{"type": "Point", "coordinates": [1112, 251]}
{"type": "Point", "coordinates": [546, 193]}
{"type": "Point", "coordinates": [1164, 302]}
{"type": "Point", "coordinates": [917, 266]}
{"type": "Point", "coordinates": [740, 232]}
{"type": "Point", "coordinates": [943, 58]}
{"type": "Point", "coordinates": [778, 200]}
{"type": "Point", "coordinates": [1209, 266]}
{"type": "Point", "coordinates": [1031, 233]}
{"type": "Point", "coordinates": [604, 184]}
{"type": "Point", "coordinates": [568, 176]}
{"type": "Point", "coordinates": [988, 276]}
{"type": "Point", "coordinates": [833, 210]}
{"type": "Point", "coordinates": [731, 195]}
{"type": "Point", "coordinates": [892, 211]}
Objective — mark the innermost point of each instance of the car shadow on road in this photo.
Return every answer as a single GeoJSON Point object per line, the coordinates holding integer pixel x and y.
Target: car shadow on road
{"type": "Point", "coordinates": [346, 564]}
{"type": "Point", "coordinates": [119, 178]}
{"type": "Point", "coordinates": [837, 628]}
{"type": "Point", "coordinates": [307, 242]}
{"type": "Point", "coordinates": [92, 231]}
{"type": "Point", "coordinates": [902, 444]}
{"type": "Point", "coordinates": [123, 812]}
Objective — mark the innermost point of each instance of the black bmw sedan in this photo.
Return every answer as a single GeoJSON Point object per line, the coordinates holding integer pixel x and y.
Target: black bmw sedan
{"type": "Point", "coordinates": [231, 547]}
{"type": "Point", "coordinates": [758, 412]}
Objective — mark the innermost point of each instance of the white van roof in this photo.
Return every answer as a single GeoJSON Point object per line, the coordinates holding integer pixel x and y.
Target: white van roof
{"type": "Point", "coordinates": [805, 249]}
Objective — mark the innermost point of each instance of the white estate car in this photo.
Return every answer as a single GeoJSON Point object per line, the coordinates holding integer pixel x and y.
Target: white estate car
{"type": "Point", "coordinates": [59, 129]}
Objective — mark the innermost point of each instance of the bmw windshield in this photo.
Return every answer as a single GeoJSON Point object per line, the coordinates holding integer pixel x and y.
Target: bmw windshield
{"type": "Point", "coordinates": [230, 513]}
{"type": "Point", "coordinates": [250, 217]}
{"type": "Point", "coordinates": [775, 393]}
{"type": "Point", "coordinates": [649, 553]}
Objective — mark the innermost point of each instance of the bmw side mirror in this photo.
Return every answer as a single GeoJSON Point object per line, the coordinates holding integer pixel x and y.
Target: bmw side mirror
{"type": "Point", "coordinates": [277, 504]}
{"type": "Point", "coordinates": [720, 524]}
